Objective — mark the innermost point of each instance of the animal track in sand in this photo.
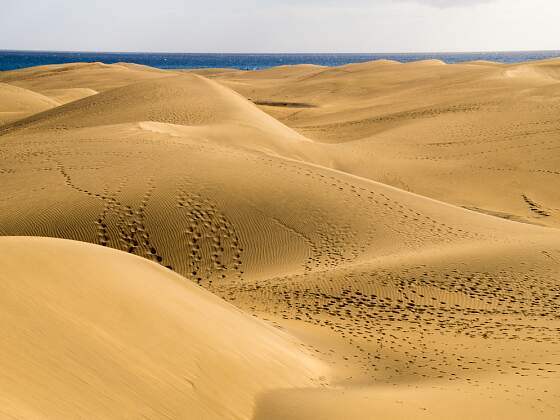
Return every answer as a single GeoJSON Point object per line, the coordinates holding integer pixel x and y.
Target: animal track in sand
{"type": "Point", "coordinates": [535, 207]}
{"type": "Point", "coordinates": [379, 312]}
{"type": "Point", "coordinates": [121, 226]}
{"type": "Point", "coordinates": [215, 248]}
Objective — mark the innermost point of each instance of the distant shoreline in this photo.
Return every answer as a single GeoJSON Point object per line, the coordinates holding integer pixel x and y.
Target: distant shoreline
{"type": "Point", "coordinates": [13, 59]}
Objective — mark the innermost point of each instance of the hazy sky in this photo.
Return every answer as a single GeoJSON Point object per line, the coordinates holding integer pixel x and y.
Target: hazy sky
{"type": "Point", "coordinates": [280, 25]}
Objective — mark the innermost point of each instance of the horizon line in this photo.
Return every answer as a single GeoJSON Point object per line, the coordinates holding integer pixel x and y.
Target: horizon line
{"type": "Point", "coordinates": [277, 53]}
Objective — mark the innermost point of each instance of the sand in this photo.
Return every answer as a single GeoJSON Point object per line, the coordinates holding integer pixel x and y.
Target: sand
{"type": "Point", "coordinates": [93, 332]}
{"type": "Point", "coordinates": [17, 103]}
{"type": "Point", "coordinates": [477, 135]}
{"type": "Point", "coordinates": [377, 240]}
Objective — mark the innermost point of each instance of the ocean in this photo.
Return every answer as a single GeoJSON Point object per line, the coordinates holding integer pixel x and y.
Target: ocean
{"type": "Point", "coordinates": [11, 60]}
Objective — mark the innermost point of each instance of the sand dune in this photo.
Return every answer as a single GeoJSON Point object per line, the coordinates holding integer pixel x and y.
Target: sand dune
{"type": "Point", "coordinates": [63, 96]}
{"type": "Point", "coordinates": [17, 103]}
{"type": "Point", "coordinates": [96, 76]}
{"type": "Point", "coordinates": [371, 212]}
{"type": "Point", "coordinates": [458, 133]}
{"type": "Point", "coordinates": [53, 85]}
{"type": "Point", "coordinates": [128, 339]}
{"type": "Point", "coordinates": [186, 99]}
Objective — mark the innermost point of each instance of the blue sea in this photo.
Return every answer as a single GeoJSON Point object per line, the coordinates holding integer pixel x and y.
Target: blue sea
{"type": "Point", "coordinates": [11, 60]}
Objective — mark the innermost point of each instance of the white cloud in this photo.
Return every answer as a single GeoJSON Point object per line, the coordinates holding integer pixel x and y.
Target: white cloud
{"type": "Point", "coordinates": [280, 25]}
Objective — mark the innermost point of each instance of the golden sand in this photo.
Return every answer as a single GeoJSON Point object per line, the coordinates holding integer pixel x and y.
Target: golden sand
{"type": "Point", "coordinates": [388, 233]}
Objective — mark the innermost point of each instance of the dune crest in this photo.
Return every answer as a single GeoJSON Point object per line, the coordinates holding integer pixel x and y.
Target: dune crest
{"type": "Point", "coordinates": [17, 103]}
{"type": "Point", "coordinates": [96, 76]}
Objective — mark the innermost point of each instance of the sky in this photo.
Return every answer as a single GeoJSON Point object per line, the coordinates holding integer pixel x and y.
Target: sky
{"type": "Point", "coordinates": [260, 26]}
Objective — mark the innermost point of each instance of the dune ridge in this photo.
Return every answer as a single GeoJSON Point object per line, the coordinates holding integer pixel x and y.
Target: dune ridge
{"type": "Point", "coordinates": [17, 103]}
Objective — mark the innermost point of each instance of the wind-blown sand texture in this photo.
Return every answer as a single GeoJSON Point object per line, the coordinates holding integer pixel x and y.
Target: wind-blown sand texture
{"type": "Point", "coordinates": [393, 228]}
{"type": "Point", "coordinates": [92, 332]}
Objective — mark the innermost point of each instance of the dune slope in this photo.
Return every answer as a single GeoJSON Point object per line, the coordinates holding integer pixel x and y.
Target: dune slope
{"type": "Point", "coordinates": [458, 133]}
{"type": "Point", "coordinates": [17, 103]}
{"type": "Point", "coordinates": [127, 339]}
{"type": "Point", "coordinates": [95, 76]}
{"type": "Point", "coordinates": [46, 87]}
